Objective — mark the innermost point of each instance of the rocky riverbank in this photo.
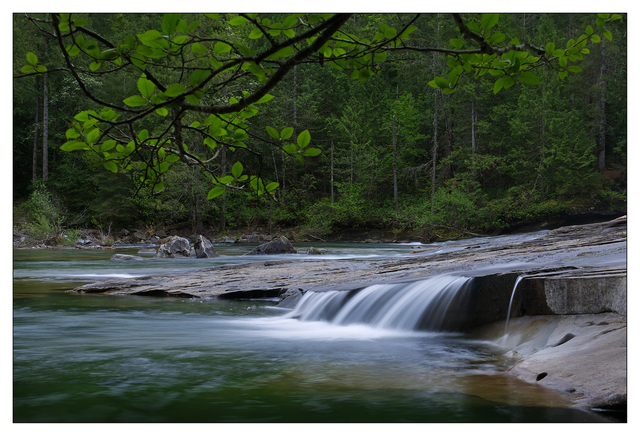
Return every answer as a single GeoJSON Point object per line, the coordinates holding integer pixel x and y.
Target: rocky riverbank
{"type": "Point", "coordinates": [568, 325]}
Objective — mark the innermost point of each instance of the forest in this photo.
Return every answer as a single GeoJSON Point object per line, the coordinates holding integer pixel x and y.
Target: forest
{"type": "Point", "coordinates": [385, 124]}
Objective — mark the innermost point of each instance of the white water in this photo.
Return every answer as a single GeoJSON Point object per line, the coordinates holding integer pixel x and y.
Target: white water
{"type": "Point", "coordinates": [513, 293]}
{"type": "Point", "coordinates": [421, 305]}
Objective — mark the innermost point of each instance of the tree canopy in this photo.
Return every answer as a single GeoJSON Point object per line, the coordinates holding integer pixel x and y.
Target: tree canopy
{"type": "Point", "coordinates": [185, 88]}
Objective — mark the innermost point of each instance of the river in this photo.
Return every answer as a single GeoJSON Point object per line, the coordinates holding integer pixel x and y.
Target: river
{"type": "Point", "coordinates": [97, 358]}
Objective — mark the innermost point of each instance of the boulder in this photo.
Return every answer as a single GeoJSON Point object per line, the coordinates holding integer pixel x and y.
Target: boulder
{"type": "Point", "coordinates": [125, 257]}
{"type": "Point", "coordinates": [204, 248]}
{"type": "Point", "coordinates": [124, 232]}
{"type": "Point", "coordinates": [139, 236]}
{"type": "Point", "coordinates": [312, 250]}
{"type": "Point", "coordinates": [279, 246]}
{"type": "Point", "coordinates": [289, 299]}
{"type": "Point", "coordinates": [161, 234]}
{"type": "Point", "coordinates": [227, 240]}
{"type": "Point", "coordinates": [174, 247]}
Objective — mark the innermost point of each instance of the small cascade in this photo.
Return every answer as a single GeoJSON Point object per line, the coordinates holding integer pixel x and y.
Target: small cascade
{"type": "Point", "coordinates": [513, 293]}
{"type": "Point", "coordinates": [431, 304]}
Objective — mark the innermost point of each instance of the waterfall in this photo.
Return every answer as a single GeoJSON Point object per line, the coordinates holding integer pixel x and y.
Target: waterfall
{"type": "Point", "coordinates": [431, 304]}
{"type": "Point", "coordinates": [513, 293]}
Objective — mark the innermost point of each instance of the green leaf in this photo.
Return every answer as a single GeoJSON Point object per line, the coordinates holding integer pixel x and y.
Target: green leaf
{"type": "Point", "coordinates": [498, 85]}
{"type": "Point", "coordinates": [158, 187]}
{"type": "Point", "coordinates": [303, 139]}
{"type": "Point", "coordinates": [73, 145]}
{"type": "Point", "coordinates": [94, 66]}
{"type": "Point", "coordinates": [153, 39]}
{"type": "Point", "coordinates": [489, 20]}
{"type": "Point", "coordinates": [607, 34]}
{"type": "Point", "coordinates": [215, 192]}
{"type": "Point", "coordinates": [529, 78]}
{"type": "Point", "coordinates": [145, 86]}
{"type": "Point", "coordinates": [289, 148]}
{"type": "Point", "coordinates": [497, 37]}
{"type": "Point", "coordinates": [286, 133]}
{"type": "Point", "coordinates": [457, 43]}
{"type": "Point", "coordinates": [273, 133]}
{"type": "Point", "coordinates": [441, 82]}
{"type": "Point", "coordinates": [111, 166]}
{"type": "Point", "coordinates": [162, 112]}
{"type": "Point", "coordinates": [508, 82]}
{"type": "Point", "coordinates": [73, 50]}
{"type": "Point", "coordinates": [172, 158]}
{"type": "Point", "coordinates": [32, 58]}
{"type": "Point", "coordinates": [175, 90]}
{"type": "Point", "coordinates": [550, 47]}
{"type": "Point", "coordinates": [312, 152]}
{"type": "Point", "coordinates": [256, 34]}
{"type": "Point", "coordinates": [169, 23]}
{"type": "Point", "coordinates": [285, 52]}
{"type": "Point", "coordinates": [236, 170]}
{"type": "Point", "coordinates": [221, 47]}
{"type": "Point", "coordinates": [93, 135]}
{"type": "Point", "coordinates": [135, 100]}
{"type": "Point", "coordinates": [143, 135]}
{"type": "Point", "coordinates": [562, 74]}
{"type": "Point", "coordinates": [405, 35]}
{"type": "Point", "coordinates": [272, 187]}
{"type": "Point", "coordinates": [595, 38]}
{"type": "Point", "coordinates": [240, 135]}
{"type": "Point", "coordinates": [108, 145]}
{"type": "Point", "coordinates": [27, 69]}
{"type": "Point", "coordinates": [265, 98]}
{"type": "Point", "coordinates": [574, 69]}
{"type": "Point", "coordinates": [237, 21]}
{"type": "Point", "coordinates": [198, 76]}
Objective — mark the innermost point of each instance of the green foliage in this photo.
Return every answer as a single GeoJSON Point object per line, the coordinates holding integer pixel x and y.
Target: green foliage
{"type": "Point", "coordinates": [43, 217]}
{"type": "Point", "coordinates": [182, 109]}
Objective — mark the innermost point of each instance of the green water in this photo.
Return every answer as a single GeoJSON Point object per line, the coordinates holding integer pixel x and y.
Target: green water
{"type": "Point", "coordinates": [92, 358]}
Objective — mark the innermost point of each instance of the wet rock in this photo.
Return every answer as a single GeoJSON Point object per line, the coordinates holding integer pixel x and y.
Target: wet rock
{"type": "Point", "coordinates": [226, 240]}
{"type": "Point", "coordinates": [279, 246]}
{"type": "Point", "coordinates": [204, 248]}
{"type": "Point", "coordinates": [312, 250]}
{"type": "Point", "coordinates": [147, 251]}
{"type": "Point", "coordinates": [290, 298]}
{"type": "Point", "coordinates": [125, 257]}
{"type": "Point", "coordinates": [139, 236]}
{"type": "Point", "coordinates": [174, 247]}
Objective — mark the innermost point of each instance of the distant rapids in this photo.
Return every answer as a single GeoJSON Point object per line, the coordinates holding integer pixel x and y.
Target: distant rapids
{"type": "Point", "coordinates": [430, 304]}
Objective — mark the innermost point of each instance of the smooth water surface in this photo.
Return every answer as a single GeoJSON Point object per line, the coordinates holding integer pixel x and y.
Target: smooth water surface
{"type": "Point", "coordinates": [94, 358]}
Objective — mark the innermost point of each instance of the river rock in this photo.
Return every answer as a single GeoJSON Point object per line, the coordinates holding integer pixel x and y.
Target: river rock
{"type": "Point", "coordinates": [204, 248]}
{"type": "Point", "coordinates": [174, 247]}
{"type": "Point", "coordinates": [140, 236]}
{"type": "Point", "coordinates": [290, 298]}
{"type": "Point", "coordinates": [125, 257]}
{"type": "Point", "coordinates": [312, 250]}
{"type": "Point", "coordinates": [279, 246]}
{"type": "Point", "coordinates": [226, 240]}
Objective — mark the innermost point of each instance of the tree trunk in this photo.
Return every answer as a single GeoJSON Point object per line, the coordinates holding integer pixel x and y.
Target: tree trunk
{"type": "Point", "coordinates": [332, 175]}
{"type": "Point", "coordinates": [395, 168]}
{"type": "Point", "coordinates": [45, 123]}
{"type": "Point", "coordinates": [474, 120]}
{"type": "Point", "coordinates": [35, 137]}
{"type": "Point", "coordinates": [223, 206]}
{"type": "Point", "coordinates": [602, 116]}
{"type": "Point", "coordinates": [434, 152]}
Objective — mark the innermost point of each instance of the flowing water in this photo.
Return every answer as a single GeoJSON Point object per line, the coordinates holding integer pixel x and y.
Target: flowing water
{"type": "Point", "coordinates": [95, 358]}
